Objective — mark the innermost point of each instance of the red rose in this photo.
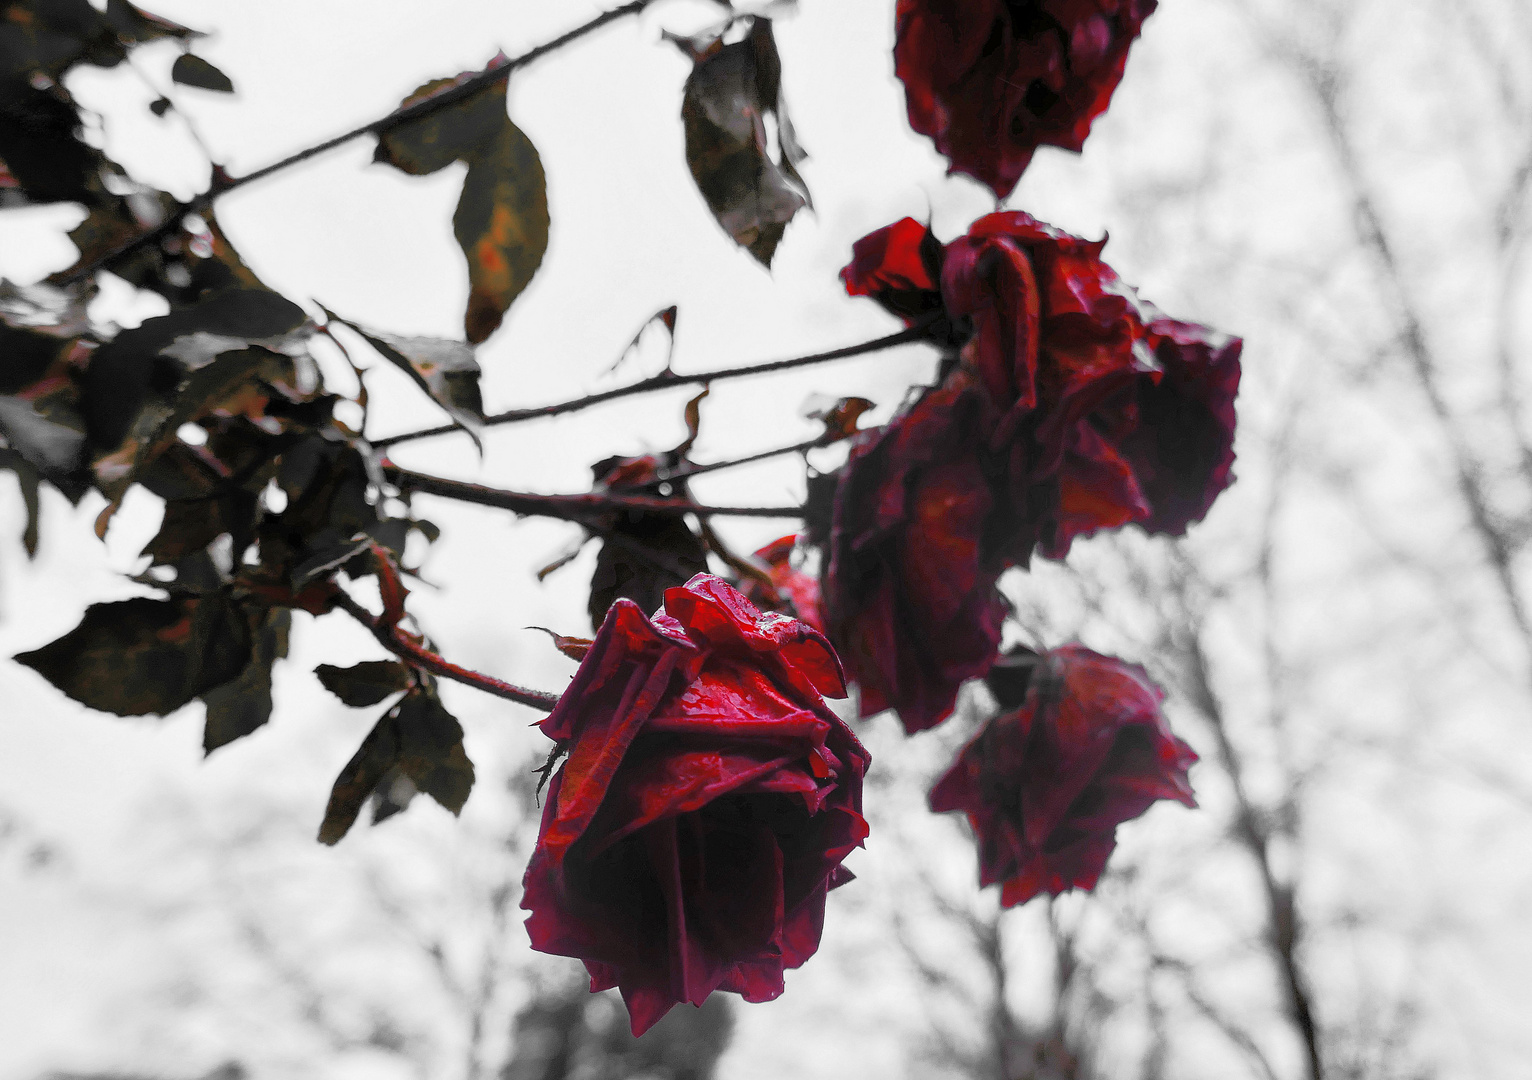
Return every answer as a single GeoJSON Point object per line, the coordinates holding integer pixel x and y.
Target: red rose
{"type": "Point", "coordinates": [898, 266]}
{"type": "Point", "coordinates": [1046, 785]}
{"type": "Point", "coordinates": [909, 598]}
{"type": "Point", "coordinates": [992, 80]}
{"type": "Point", "coordinates": [707, 801]}
{"type": "Point", "coordinates": [1106, 412]}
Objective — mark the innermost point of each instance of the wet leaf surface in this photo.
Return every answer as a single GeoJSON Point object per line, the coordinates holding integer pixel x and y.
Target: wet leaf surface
{"type": "Point", "coordinates": [730, 98]}
{"type": "Point", "coordinates": [147, 656]}
{"type": "Point", "coordinates": [418, 739]}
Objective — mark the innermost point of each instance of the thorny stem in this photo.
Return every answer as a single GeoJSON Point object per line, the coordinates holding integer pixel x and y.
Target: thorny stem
{"type": "Point", "coordinates": [688, 471]}
{"type": "Point", "coordinates": [584, 508]}
{"type": "Point", "coordinates": [397, 642]}
{"type": "Point", "coordinates": [668, 379]}
{"type": "Point", "coordinates": [466, 89]}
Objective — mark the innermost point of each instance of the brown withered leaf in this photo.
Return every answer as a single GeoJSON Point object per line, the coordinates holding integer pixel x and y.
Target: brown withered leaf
{"type": "Point", "coordinates": [692, 415]}
{"type": "Point", "coordinates": [418, 739]}
{"type": "Point", "coordinates": [840, 419]}
{"type": "Point", "coordinates": [366, 683]}
{"type": "Point", "coordinates": [573, 647]}
{"type": "Point", "coordinates": [445, 369]}
{"type": "Point", "coordinates": [190, 70]}
{"type": "Point", "coordinates": [731, 95]}
{"type": "Point", "coordinates": [501, 221]}
{"type": "Point", "coordinates": [147, 656]}
{"type": "Point", "coordinates": [237, 708]}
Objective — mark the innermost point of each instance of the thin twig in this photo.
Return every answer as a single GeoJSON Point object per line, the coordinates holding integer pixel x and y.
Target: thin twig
{"type": "Point", "coordinates": [446, 98]}
{"type": "Point", "coordinates": [398, 643]}
{"type": "Point", "coordinates": [584, 508]}
{"type": "Point", "coordinates": [669, 379]}
{"type": "Point", "coordinates": [689, 471]}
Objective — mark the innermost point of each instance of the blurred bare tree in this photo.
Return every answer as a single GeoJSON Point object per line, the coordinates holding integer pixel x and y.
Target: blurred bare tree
{"type": "Point", "coordinates": [1347, 640]}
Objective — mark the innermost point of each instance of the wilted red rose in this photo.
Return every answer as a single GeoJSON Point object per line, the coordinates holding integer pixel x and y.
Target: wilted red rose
{"type": "Point", "coordinates": [909, 598]}
{"type": "Point", "coordinates": [707, 801]}
{"type": "Point", "coordinates": [992, 80]}
{"type": "Point", "coordinates": [1046, 785]}
{"type": "Point", "coordinates": [1107, 412]}
{"type": "Point", "coordinates": [788, 589]}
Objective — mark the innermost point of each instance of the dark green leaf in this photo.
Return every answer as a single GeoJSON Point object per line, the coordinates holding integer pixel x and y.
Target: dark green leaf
{"type": "Point", "coordinates": [417, 740]}
{"type": "Point", "coordinates": [392, 795]}
{"type": "Point", "coordinates": [26, 354]}
{"type": "Point", "coordinates": [431, 750]}
{"type": "Point", "coordinates": [731, 94]}
{"type": "Point", "coordinates": [640, 559]}
{"type": "Point", "coordinates": [378, 754]}
{"type": "Point", "coordinates": [444, 369]}
{"type": "Point", "coordinates": [52, 449]}
{"type": "Point", "coordinates": [133, 24]}
{"type": "Point", "coordinates": [135, 368]}
{"type": "Point", "coordinates": [327, 558]}
{"type": "Point", "coordinates": [237, 708]}
{"type": "Point", "coordinates": [437, 139]}
{"type": "Point", "coordinates": [204, 388]}
{"type": "Point", "coordinates": [146, 656]}
{"type": "Point", "coordinates": [27, 478]}
{"type": "Point", "coordinates": [364, 684]}
{"type": "Point", "coordinates": [189, 525]}
{"type": "Point", "coordinates": [189, 70]}
{"type": "Point", "coordinates": [39, 129]}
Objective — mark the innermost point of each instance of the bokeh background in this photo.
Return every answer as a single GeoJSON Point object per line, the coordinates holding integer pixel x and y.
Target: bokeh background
{"type": "Point", "coordinates": [1346, 640]}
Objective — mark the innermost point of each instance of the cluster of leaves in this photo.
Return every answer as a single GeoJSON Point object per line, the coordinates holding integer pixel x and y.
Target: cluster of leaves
{"type": "Point", "coordinates": [272, 501]}
{"type": "Point", "coordinates": [220, 409]}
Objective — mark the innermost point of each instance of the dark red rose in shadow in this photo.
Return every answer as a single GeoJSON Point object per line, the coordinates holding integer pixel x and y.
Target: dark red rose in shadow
{"type": "Point", "coordinates": [992, 80]}
{"type": "Point", "coordinates": [910, 601]}
{"type": "Point", "coordinates": [1046, 785]}
{"type": "Point", "coordinates": [1107, 412]}
{"type": "Point", "coordinates": [788, 589]}
{"type": "Point", "coordinates": [1070, 406]}
{"type": "Point", "coordinates": [707, 801]}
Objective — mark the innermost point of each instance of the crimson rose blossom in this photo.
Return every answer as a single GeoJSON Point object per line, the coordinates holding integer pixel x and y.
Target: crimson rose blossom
{"type": "Point", "coordinates": [1046, 785]}
{"type": "Point", "coordinates": [1074, 407]}
{"type": "Point", "coordinates": [707, 801]}
{"type": "Point", "coordinates": [992, 80]}
{"type": "Point", "coordinates": [909, 597]}
{"type": "Point", "coordinates": [1107, 412]}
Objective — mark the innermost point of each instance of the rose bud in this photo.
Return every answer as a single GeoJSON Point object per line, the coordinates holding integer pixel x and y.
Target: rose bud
{"type": "Point", "coordinates": [1046, 785]}
{"type": "Point", "coordinates": [990, 81]}
{"type": "Point", "coordinates": [707, 801]}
